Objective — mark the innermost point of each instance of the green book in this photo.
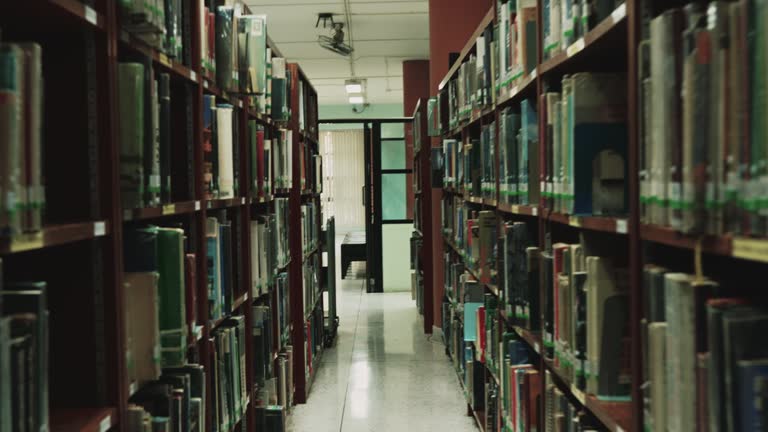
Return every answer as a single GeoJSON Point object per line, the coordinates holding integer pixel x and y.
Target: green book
{"type": "Point", "coordinates": [131, 109]}
{"type": "Point", "coordinates": [11, 120]}
{"type": "Point", "coordinates": [170, 244]}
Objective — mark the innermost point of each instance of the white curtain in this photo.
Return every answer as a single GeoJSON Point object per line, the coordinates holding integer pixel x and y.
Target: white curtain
{"type": "Point", "coordinates": [343, 166]}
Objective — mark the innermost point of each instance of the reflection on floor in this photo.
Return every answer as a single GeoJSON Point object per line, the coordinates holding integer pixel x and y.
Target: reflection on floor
{"type": "Point", "coordinates": [383, 374]}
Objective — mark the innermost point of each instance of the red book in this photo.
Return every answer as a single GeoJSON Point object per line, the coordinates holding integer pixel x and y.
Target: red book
{"type": "Point", "coordinates": [481, 333]}
{"type": "Point", "coordinates": [532, 391]}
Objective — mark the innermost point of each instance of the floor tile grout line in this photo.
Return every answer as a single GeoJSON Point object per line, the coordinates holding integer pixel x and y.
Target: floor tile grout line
{"type": "Point", "coordinates": [349, 373]}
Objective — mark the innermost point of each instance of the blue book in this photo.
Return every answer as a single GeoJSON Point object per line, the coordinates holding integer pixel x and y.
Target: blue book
{"type": "Point", "coordinates": [470, 321]}
{"type": "Point", "coordinates": [753, 394]}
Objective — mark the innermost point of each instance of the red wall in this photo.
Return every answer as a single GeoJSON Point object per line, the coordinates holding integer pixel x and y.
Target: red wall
{"type": "Point", "coordinates": [451, 23]}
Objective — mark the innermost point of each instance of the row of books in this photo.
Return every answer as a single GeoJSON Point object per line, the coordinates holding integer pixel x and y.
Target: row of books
{"type": "Point", "coordinates": [233, 47]}
{"type": "Point", "coordinates": [311, 169]}
{"type": "Point", "coordinates": [162, 24]}
{"type": "Point", "coordinates": [586, 330]}
{"type": "Point", "coordinates": [260, 148]}
{"type": "Point", "coordinates": [564, 21]}
{"type": "Point", "coordinates": [519, 275]}
{"type": "Point", "coordinates": [174, 401]}
{"type": "Point", "coordinates": [314, 327]}
{"type": "Point", "coordinates": [519, 155]}
{"type": "Point", "coordinates": [703, 151]}
{"type": "Point", "coordinates": [224, 263]}
{"type": "Point", "coordinates": [221, 159]}
{"type": "Point", "coordinates": [145, 135]}
{"type": "Point", "coordinates": [311, 287]}
{"type": "Point", "coordinates": [263, 254]}
{"type": "Point", "coordinates": [24, 343]}
{"type": "Point", "coordinates": [705, 367]}
{"type": "Point", "coordinates": [310, 229]}
{"type": "Point", "coordinates": [22, 193]}
{"type": "Point", "coordinates": [498, 368]}
{"type": "Point", "coordinates": [474, 234]}
{"type": "Point", "coordinates": [586, 145]}
{"type": "Point", "coordinates": [515, 50]}
{"type": "Point", "coordinates": [283, 159]}
{"type": "Point", "coordinates": [229, 390]}
{"type": "Point", "coordinates": [160, 278]}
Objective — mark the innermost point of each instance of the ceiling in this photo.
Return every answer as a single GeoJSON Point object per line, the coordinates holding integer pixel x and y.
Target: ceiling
{"type": "Point", "coordinates": [383, 34]}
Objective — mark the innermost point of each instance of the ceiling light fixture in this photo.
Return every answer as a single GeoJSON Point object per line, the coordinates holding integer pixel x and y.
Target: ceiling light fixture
{"type": "Point", "coordinates": [353, 86]}
{"type": "Point", "coordinates": [356, 99]}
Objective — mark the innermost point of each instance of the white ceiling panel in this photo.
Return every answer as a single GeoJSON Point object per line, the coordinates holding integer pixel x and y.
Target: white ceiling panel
{"type": "Point", "coordinates": [384, 34]}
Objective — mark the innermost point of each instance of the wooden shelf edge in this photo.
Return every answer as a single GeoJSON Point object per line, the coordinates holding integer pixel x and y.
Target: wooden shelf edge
{"type": "Point", "coordinates": [225, 203]}
{"type": "Point", "coordinates": [159, 58]}
{"type": "Point", "coordinates": [82, 419]}
{"type": "Point", "coordinates": [514, 91]}
{"type": "Point", "coordinates": [172, 209]}
{"type": "Point", "coordinates": [585, 43]}
{"type": "Point", "coordinates": [54, 235]}
{"type": "Point", "coordinates": [615, 225]}
{"type": "Point", "coordinates": [518, 209]}
{"type": "Point", "coordinates": [615, 416]}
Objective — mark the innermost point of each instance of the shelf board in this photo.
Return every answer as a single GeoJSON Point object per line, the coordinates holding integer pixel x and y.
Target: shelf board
{"type": "Point", "coordinates": [224, 203]}
{"type": "Point", "coordinates": [166, 63]}
{"type": "Point", "coordinates": [239, 302]}
{"type": "Point", "coordinates": [307, 255]}
{"type": "Point", "coordinates": [514, 91]}
{"type": "Point", "coordinates": [615, 416]}
{"type": "Point", "coordinates": [54, 13]}
{"type": "Point", "coordinates": [54, 235]}
{"type": "Point", "coordinates": [261, 118]}
{"type": "Point", "coordinates": [82, 419]}
{"type": "Point", "coordinates": [469, 46]}
{"type": "Point", "coordinates": [593, 223]}
{"type": "Point", "coordinates": [670, 237]}
{"type": "Point", "coordinates": [490, 202]}
{"type": "Point", "coordinates": [517, 209]}
{"type": "Point", "coordinates": [183, 207]}
{"type": "Point", "coordinates": [587, 43]}
{"type": "Point", "coordinates": [312, 309]}
{"type": "Point", "coordinates": [491, 287]}
{"type": "Point", "coordinates": [472, 199]}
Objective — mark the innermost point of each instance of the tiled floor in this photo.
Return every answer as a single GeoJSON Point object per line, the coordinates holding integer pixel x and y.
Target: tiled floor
{"type": "Point", "coordinates": [383, 374]}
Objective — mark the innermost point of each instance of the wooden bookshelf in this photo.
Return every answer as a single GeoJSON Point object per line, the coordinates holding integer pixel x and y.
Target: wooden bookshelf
{"type": "Point", "coordinates": [173, 209]}
{"type": "Point", "coordinates": [83, 419]}
{"type": "Point", "coordinates": [54, 235]}
{"type": "Point", "coordinates": [80, 246]}
{"type": "Point", "coordinates": [615, 37]}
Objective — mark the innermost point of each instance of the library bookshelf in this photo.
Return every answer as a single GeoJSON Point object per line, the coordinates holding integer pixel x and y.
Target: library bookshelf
{"type": "Point", "coordinates": [79, 250]}
{"type": "Point", "coordinates": [610, 45]}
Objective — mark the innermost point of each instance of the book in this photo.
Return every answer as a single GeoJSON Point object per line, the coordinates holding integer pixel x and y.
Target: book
{"type": "Point", "coordinates": [142, 312]}
{"type": "Point", "coordinates": [753, 391]}
{"type": "Point", "coordinates": [26, 319]}
{"type": "Point", "coordinates": [225, 145]}
{"type": "Point", "coordinates": [173, 324]}
{"type": "Point", "coordinates": [165, 126]}
{"type": "Point", "coordinates": [252, 46]}
{"type": "Point", "coordinates": [131, 107]}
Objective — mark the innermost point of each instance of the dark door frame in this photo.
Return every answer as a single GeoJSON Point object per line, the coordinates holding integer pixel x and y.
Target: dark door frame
{"type": "Point", "coordinates": [372, 198]}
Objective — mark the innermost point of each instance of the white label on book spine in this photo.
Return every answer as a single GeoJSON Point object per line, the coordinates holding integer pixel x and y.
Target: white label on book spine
{"type": "Point", "coordinates": [197, 205]}
{"type": "Point", "coordinates": [619, 428]}
{"type": "Point", "coordinates": [257, 28]}
{"type": "Point", "coordinates": [240, 103]}
{"type": "Point", "coordinates": [621, 226]}
{"type": "Point", "coordinates": [99, 229]}
{"type": "Point", "coordinates": [205, 83]}
{"type": "Point", "coordinates": [619, 13]}
{"type": "Point", "coordinates": [536, 347]}
{"type": "Point", "coordinates": [193, 76]}
{"type": "Point", "coordinates": [535, 211]}
{"type": "Point", "coordinates": [242, 201]}
{"type": "Point", "coordinates": [105, 424]}
{"type": "Point", "coordinates": [90, 15]}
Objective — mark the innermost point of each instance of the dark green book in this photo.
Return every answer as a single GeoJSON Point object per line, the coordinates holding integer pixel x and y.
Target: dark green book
{"type": "Point", "coordinates": [170, 243]}
{"type": "Point", "coordinates": [30, 299]}
{"type": "Point", "coordinates": [131, 110]}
